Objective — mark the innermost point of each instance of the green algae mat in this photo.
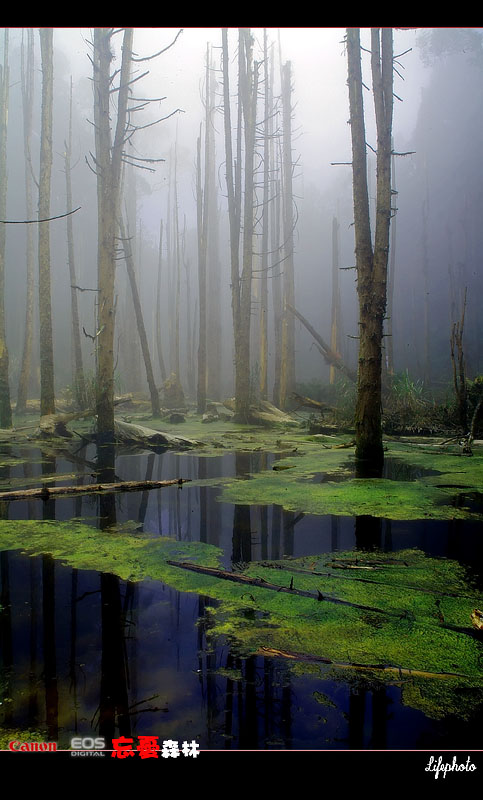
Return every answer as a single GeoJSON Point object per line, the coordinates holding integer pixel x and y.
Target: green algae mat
{"type": "Point", "coordinates": [425, 482]}
{"type": "Point", "coordinates": [401, 618]}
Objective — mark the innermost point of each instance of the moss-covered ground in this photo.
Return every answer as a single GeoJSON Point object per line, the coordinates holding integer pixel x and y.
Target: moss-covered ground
{"type": "Point", "coordinates": [389, 617]}
{"type": "Point", "coordinates": [402, 617]}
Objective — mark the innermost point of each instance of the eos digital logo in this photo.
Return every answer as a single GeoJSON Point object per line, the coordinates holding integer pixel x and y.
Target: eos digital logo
{"type": "Point", "coordinates": [87, 746]}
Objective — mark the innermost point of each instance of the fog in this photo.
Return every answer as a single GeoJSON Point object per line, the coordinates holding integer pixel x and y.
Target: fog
{"type": "Point", "coordinates": [438, 118]}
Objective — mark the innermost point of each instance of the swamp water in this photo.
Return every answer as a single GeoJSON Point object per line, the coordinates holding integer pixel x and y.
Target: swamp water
{"type": "Point", "coordinates": [91, 648]}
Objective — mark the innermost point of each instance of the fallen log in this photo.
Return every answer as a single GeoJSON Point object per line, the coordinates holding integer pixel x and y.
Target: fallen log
{"type": "Point", "coordinates": [264, 413]}
{"type": "Point", "coordinates": [271, 652]}
{"type": "Point", "coordinates": [261, 583]}
{"type": "Point", "coordinates": [46, 493]}
{"type": "Point", "coordinates": [127, 433]}
{"type": "Point", "coordinates": [330, 356]}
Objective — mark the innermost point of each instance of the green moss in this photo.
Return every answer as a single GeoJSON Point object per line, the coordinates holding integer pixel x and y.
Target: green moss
{"type": "Point", "coordinates": [396, 611]}
{"type": "Point", "coordinates": [318, 482]}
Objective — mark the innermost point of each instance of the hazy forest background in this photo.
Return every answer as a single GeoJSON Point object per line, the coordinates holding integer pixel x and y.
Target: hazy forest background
{"type": "Point", "coordinates": [436, 237]}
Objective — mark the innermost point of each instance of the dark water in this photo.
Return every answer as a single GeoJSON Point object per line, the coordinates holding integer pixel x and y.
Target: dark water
{"type": "Point", "coordinates": [86, 653]}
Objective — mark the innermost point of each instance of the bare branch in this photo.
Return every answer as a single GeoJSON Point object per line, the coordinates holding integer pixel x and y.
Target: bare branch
{"type": "Point", "coordinates": [155, 55]}
{"type": "Point", "coordinates": [33, 221]}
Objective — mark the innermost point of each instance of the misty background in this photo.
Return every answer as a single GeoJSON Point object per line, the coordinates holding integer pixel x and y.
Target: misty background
{"type": "Point", "coordinates": [438, 119]}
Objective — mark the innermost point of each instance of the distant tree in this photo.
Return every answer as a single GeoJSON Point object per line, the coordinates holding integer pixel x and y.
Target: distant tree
{"type": "Point", "coordinates": [47, 395]}
{"type": "Point", "coordinates": [78, 369]}
{"type": "Point", "coordinates": [287, 381]}
{"type": "Point", "coordinates": [371, 262]}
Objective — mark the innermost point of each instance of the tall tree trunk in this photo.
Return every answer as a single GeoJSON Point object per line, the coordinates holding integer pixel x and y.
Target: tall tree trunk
{"type": "Point", "coordinates": [202, 232]}
{"type": "Point", "coordinates": [162, 367]}
{"type": "Point", "coordinates": [79, 382]}
{"type": "Point", "coordinates": [248, 97]}
{"type": "Point", "coordinates": [47, 395]}
{"type": "Point", "coordinates": [108, 168]}
{"type": "Point", "coordinates": [139, 319]}
{"type": "Point", "coordinates": [371, 265]}
{"type": "Point", "coordinates": [267, 132]}
{"type": "Point", "coordinates": [287, 385]}
{"type": "Point", "coordinates": [5, 408]}
{"type": "Point", "coordinates": [27, 83]}
{"type": "Point", "coordinates": [231, 185]}
{"type": "Point", "coordinates": [335, 328]}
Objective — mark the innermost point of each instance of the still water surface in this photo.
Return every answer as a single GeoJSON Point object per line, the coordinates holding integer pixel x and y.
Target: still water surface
{"type": "Point", "coordinates": [86, 653]}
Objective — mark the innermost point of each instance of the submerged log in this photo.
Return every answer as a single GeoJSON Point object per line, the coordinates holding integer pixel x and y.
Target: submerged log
{"type": "Point", "coordinates": [271, 652]}
{"type": "Point", "coordinates": [46, 493]}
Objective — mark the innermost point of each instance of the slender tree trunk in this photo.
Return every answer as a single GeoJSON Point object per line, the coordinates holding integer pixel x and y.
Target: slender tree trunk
{"type": "Point", "coordinates": [390, 285]}
{"type": "Point", "coordinates": [287, 384]}
{"type": "Point", "coordinates": [202, 232]}
{"type": "Point", "coordinates": [47, 395]}
{"type": "Point", "coordinates": [248, 96]}
{"type": "Point", "coordinates": [79, 382]}
{"type": "Point", "coordinates": [335, 329]}
{"type": "Point", "coordinates": [159, 346]}
{"type": "Point", "coordinates": [139, 319]}
{"type": "Point", "coordinates": [108, 167]}
{"type": "Point", "coordinates": [5, 408]}
{"type": "Point", "coordinates": [27, 83]}
{"type": "Point", "coordinates": [371, 265]}
{"type": "Point", "coordinates": [267, 131]}
{"type": "Point", "coordinates": [232, 195]}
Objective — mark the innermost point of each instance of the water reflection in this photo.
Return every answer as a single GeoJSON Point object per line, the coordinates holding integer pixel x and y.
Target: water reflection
{"type": "Point", "coordinates": [85, 652]}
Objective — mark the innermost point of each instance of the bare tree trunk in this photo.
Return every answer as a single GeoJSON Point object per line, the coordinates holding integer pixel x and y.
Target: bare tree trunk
{"type": "Point", "coordinates": [267, 132]}
{"type": "Point", "coordinates": [126, 243]}
{"type": "Point", "coordinates": [47, 395]}
{"type": "Point", "coordinates": [248, 97]}
{"type": "Point", "coordinates": [5, 407]}
{"type": "Point", "coordinates": [202, 233]}
{"type": "Point", "coordinates": [213, 276]}
{"type": "Point", "coordinates": [159, 346]}
{"type": "Point", "coordinates": [371, 265]}
{"type": "Point", "coordinates": [79, 382]}
{"type": "Point", "coordinates": [27, 83]}
{"type": "Point", "coordinates": [335, 328]}
{"type": "Point", "coordinates": [287, 385]}
{"type": "Point", "coordinates": [390, 284]}
{"type": "Point", "coordinates": [108, 168]}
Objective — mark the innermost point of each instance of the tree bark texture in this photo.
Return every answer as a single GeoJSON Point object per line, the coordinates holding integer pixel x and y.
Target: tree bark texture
{"type": "Point", "coordinates": [371, 263]}
{"type": "Point", "coordinates": [108, 167]}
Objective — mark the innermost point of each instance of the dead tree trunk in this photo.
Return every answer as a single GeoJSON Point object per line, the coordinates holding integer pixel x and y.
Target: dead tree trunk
{"type": "Point", "coordinates": [5, 407]}
{"type": "Point", "coordinates": [267, 132]}
{"type": "Point", "coordinates": [153, 392]}
{"type": "Point", "coordinates": [288, 328]}
{"type": "Point", "coordinates": [27, 84]}
{"type": "Point", "coordinates": [79, 382]}
{"type": "Point", "coordinates": [159, 346]}
{"type": "Point", "coordinates": [336, 323]}
{"type": "Point", "coordinates": [108, 169]}
{"type": "Point", "coordinates": [459, 371]}
{"type": "Point", "coordinates": [47, 396]}
{"type": "Point", "coordinates": [371, 264]}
